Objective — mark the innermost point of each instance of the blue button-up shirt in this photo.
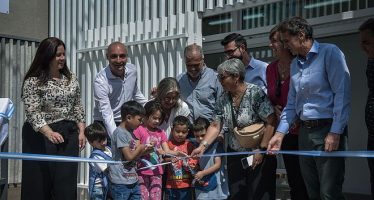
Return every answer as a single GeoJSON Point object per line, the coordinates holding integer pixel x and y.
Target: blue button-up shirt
{"type": "Point", "coordinates": [201, 96]}
{"type": "Point", "coordinates": [255, 73]}
{"type": "Point", "coordinates": [111, 92]}
{"type": "Point", "coordinates": [320, 88]}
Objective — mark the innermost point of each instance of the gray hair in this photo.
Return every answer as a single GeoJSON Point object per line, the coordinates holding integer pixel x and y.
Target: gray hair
{"type": "Point", "coordinates": [166, 86]}
{"type": "Point", "coordinates": [193, 49]}
{"type": "Point", "coordinates": [234, 67]}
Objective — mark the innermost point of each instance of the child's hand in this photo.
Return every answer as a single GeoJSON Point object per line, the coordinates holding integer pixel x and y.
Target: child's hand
{"type": "Point", "coordinates": [174, 160]}
{"type": "Point", "coordinates": [181, 154]}
{"type": "Point", "coordinates": [160, 151]}
{"type": "Point", "coordinates": [199, 175]}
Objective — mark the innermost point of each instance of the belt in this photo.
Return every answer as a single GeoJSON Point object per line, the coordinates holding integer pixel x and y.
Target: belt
{"type": "Point", "coordinates": [315, 123]}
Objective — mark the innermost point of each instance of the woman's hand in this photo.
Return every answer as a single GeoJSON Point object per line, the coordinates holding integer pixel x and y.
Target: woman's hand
{"type": "Point", "coordinates": [257, 160]}
{"type": "Point", "coordinates": [54, 137]}
{"type": "Point", "coordinates": [82, 141]}
{"type": "Point", "coordinates": [198, 151]}
{"type": "Point", "coordinates": [81, 136]}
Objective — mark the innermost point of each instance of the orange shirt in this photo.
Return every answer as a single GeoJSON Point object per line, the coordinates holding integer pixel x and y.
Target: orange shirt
{"type": "Point", "coordinates": [179, 176]}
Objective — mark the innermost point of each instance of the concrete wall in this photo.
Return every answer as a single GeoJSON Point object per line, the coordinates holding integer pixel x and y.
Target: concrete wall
{"type": "Point", "coordinates": [26, 19]}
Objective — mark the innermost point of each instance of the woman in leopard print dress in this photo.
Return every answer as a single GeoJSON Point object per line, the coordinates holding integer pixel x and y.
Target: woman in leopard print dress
{"type": "Point", "coordinates": [54, 124]}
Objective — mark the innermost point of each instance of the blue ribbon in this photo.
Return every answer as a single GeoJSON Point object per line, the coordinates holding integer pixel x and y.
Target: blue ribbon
{"type": "Point", "coordinates": [43, 157]}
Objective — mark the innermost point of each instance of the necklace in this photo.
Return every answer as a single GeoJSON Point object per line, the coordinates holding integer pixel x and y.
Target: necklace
{"type": "Point", "coordinates": [236, 99]}
{"type": "Point", "coordinates": [283, 71]}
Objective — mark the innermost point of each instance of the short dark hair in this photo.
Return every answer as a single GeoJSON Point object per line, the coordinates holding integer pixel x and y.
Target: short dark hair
{"type": "Point", "coordinates": [95, 131]}
{"type": "Point", "coordinates": [239, 40]}
{"type": "Point", "coordinates": [296, 25]}
{"type": "Point", "coordinates": [181, 120]}
{"type": "Point", "coordinates": [367, 25]}
{"type": "Point", "coordinates": [132, 108]}
{"type": "Point", "coordinates": [200, 124]}
{"type": "Point", "coordinates": [152, 107]}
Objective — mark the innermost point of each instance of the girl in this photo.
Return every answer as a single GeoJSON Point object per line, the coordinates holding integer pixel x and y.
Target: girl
{"type": "Point", "coordinates": [150, 180]}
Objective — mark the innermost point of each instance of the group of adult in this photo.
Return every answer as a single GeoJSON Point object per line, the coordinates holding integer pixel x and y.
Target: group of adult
{"type": "Point", "coordinates": [241, 92]}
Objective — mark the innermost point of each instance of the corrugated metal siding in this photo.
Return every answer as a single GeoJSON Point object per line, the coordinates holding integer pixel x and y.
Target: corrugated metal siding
{"type": "Point", "coordinates": [15, 58]}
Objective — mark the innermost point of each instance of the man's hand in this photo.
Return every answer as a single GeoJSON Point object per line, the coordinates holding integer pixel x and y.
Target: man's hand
{"type": "Point", "coordinates": [332, 142]}
{"type": "Point", "coordinates": [275, 142]}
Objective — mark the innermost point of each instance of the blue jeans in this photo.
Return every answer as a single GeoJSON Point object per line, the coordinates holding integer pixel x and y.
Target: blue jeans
{"type": "Point", "coordinates": [178, 194]}
{"type": "Point", "coordinates": [123, 192]}
{"type": "Point", "coordinates": [97, 193]}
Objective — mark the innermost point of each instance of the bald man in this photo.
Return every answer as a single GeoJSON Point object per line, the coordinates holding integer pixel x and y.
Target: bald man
{"type": "Point", "coordinates": [114, 85]}
{"type": "Point", "coordinates": [200, 87]}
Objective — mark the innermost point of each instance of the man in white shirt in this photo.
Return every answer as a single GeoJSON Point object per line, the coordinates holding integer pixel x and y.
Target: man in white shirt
{"type": "Point", "coordinates": [114, 85]}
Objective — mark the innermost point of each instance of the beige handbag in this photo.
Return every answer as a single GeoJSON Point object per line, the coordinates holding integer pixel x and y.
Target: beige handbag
{"type": "Point", "coordinates": [250, 136]}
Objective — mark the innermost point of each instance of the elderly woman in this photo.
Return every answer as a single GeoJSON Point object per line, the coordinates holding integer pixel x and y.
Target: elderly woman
{"type": "Point", "coordinates": [168, 94]}
{"type": "Point", "coordinates": [278, 81]}
{"type": "Point", "coordinates": [243, 104]}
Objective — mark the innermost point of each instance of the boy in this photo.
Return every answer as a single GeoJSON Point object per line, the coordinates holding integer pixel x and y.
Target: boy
{"type": "Point", "coordinates": [126, 147]}
{"type": "Point", "coordinates": [98, 181]}
{"type": "Point", "coordinates": [178, 182]}
{"type": "Point", "coordinates": [211, 181]}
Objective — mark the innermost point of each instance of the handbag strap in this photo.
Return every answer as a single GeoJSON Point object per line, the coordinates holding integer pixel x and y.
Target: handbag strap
{"type": "Point", "coordinates": [233, 117]}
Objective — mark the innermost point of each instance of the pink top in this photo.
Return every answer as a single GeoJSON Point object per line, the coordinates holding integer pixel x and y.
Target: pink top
{"type": "Point", "coordinates": [272, 77]}
{"type": "Point", "coordinates": [157, 137]}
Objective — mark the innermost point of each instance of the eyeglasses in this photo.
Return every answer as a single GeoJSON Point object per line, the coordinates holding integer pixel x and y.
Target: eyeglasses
{"type": "Point", "coordinates": [229, 53]}
{"type": "Point", "coordinates": [222, 77]}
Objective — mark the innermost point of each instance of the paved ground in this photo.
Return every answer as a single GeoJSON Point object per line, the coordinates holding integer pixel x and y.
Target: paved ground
{"type": "Point", "coordinates": [282, 194]}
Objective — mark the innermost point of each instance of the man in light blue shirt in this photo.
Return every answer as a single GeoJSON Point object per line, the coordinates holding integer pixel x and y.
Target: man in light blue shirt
{"type": "Point", "coordinates": [235, 46]}
{"type": "Point", "coordinates": [114, 85]}
{"type": "Point", "coordinates": [319, 98]}
{"type": "Point", "coordinates": [200, 87]}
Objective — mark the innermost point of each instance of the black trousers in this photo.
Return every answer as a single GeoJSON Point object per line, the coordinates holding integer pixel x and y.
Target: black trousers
{"type": "Point", "coordinates": [50, 180]}
{"type": "Point", "coordinates": [258, 183]}
{"type": "Point", "coordinates": [323, 176]}
{"type": "Point", "coordinates": [291, 162]}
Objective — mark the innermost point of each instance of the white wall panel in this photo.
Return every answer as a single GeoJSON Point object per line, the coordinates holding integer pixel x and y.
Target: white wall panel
{"type": "Point", "coordinates": [155, 32]}
{"type": "Point", "coordinates": [15, 58]}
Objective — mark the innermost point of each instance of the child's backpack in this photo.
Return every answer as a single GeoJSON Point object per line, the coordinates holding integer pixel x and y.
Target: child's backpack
{"type": "Point", "coordinates": [94, 174]}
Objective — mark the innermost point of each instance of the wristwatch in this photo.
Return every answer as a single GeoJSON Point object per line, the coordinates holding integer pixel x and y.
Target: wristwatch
{"type": "Point", "coordinates": [205, 144]}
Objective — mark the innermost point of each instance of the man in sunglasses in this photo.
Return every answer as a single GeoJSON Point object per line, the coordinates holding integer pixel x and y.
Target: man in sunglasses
{"type": "Point", "coordinates": [235, 46]}
{"type": "Point", "coordinates": [114, 85]}
{"type": "Point", "coordinates": [199, 86]}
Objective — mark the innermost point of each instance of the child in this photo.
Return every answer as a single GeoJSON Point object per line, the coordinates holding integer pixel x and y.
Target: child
{"type": "Point", "coordinates": [98, 181]}
{"type": "Point", "coordinates": [178, 182]}
{"type": "Point", "coordinates": [123, 177]}
{"type": "Point", "coordinates": [206, 185]}
{"type": "Point", "coordinates": [150, 180]}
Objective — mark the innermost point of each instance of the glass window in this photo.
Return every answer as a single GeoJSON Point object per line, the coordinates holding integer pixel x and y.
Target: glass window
{"type": "Point", "coordinates": [217, 24]}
